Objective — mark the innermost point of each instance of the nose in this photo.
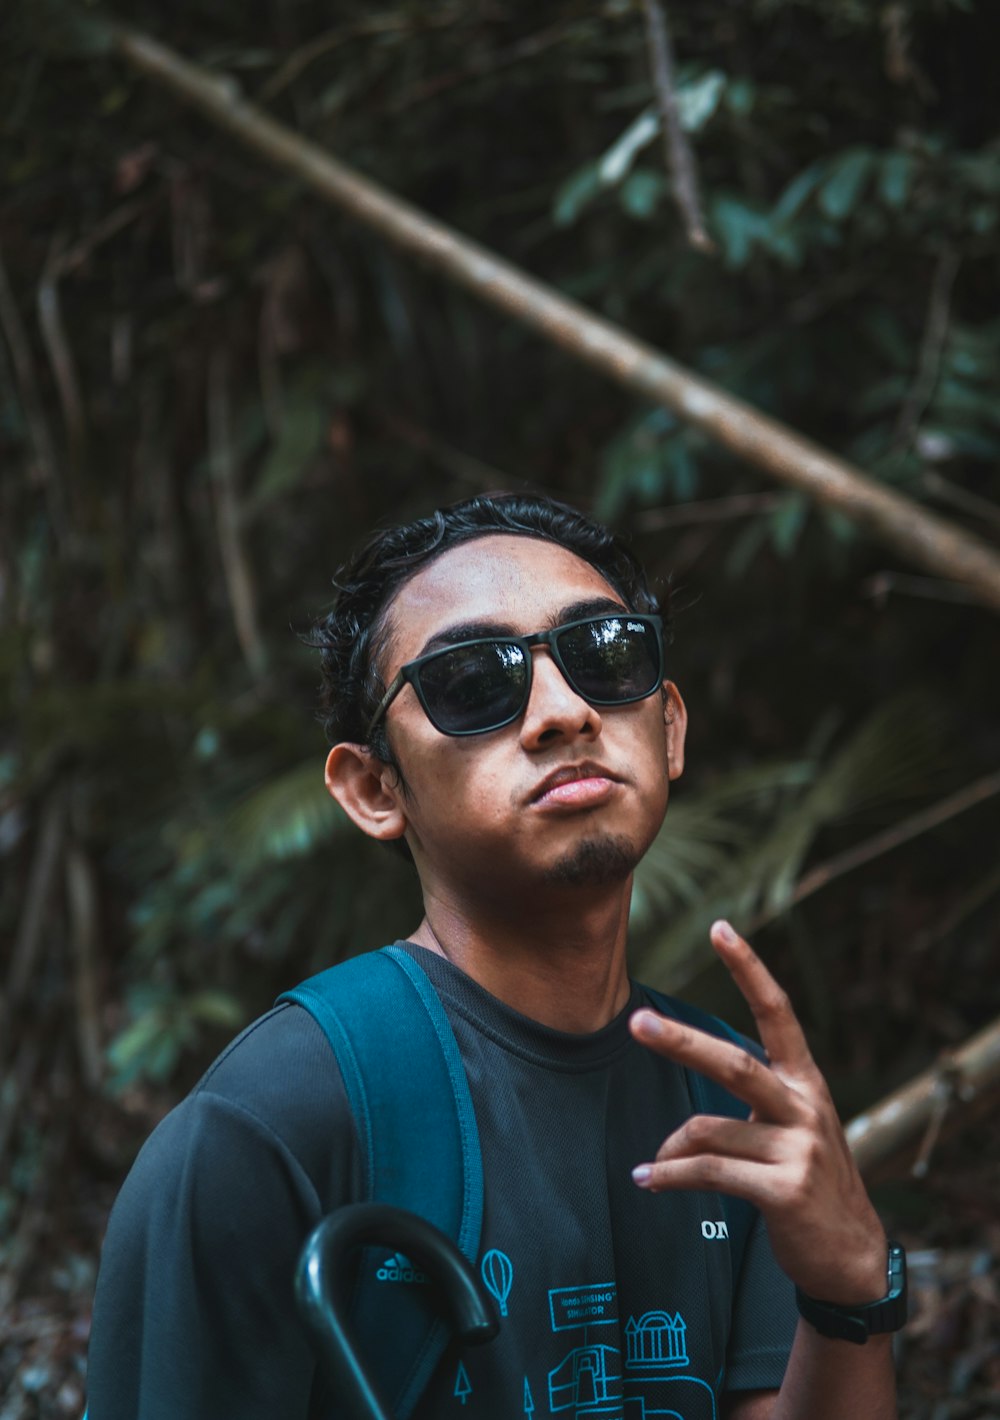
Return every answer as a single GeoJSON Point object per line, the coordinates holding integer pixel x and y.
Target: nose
{"type": "Point", "coordinates": [554, 709]}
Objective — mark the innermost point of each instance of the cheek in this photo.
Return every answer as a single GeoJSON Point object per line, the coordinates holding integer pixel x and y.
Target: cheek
{"type": "Point", "coordinates": [452, 787]}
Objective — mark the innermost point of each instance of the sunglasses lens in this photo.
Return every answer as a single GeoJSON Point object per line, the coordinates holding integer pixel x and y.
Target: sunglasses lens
{"type": "Point", "coordinates": [475, 688]}
{"type": "Point", "coordinates": [613, 660]}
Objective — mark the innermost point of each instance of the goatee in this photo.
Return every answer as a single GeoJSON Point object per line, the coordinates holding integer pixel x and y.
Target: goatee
{"type": "Point", "coordinates": [596, 862]}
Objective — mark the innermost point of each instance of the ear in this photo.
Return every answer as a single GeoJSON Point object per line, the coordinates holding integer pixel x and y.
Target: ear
{"type": "Point", "coordinates": [367, 790]}
{"type": "Point", "coordinates": [675, 720]}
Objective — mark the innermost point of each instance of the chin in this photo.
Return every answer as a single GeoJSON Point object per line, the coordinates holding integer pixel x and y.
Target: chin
{"type": "Point", "coordinates": [596, 862]}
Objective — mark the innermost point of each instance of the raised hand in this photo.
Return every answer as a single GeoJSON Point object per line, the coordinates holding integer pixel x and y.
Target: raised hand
{"type": "Point", "coordinates": [790, 1158]}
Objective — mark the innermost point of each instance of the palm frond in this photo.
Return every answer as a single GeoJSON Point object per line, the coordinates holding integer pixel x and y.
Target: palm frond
{"type": "Point", "coordinates": [287, 816]}
{"type": "Point", "coordinates": [889, 758]}
{"type": "Point", "coordinates": [701, 835]}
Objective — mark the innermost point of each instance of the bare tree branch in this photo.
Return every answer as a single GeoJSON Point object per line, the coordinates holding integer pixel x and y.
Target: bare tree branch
{"type": "Point", "coordinates": [60, 353]}
{"type": "Point", "coordinates": [711, 510]}
{"type": "Point", "coordinates": [963, 1078]}
{"type": "Point", "coordinates": [300, 59]}
{"type": "Point", "coordinates": [680, 158]}
{"type": "Point", "coordinates": [31, 402]}
{"type": "Point", "coordinates": [37, 903]}
{"type": "Point", "coordinates": [931, 350]}
{"type": "Point", "coordinates": [961, 498]}
{"type": "Point", "coordinates": [968, 798]}
{"type": "Point", "coordinates": [235, 562]}
{"type": "Point", "coordinates": [479, 66]}
{"type": "Point", "coordinates": [881, 584]}
{"type": "Point", "coordinates": [81, 896]}
{"type": "Point", "coordinates": [924, 538]}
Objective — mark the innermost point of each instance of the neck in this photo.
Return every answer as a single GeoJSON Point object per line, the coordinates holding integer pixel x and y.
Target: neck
{"type": "Point", "coordinates": [565, 967]}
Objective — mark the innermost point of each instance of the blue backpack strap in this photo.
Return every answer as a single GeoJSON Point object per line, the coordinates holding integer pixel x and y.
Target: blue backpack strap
{"type": "Point", "coordinates": [709, 1097]}
{"type": "Point", "coordinates": [409, 1095]}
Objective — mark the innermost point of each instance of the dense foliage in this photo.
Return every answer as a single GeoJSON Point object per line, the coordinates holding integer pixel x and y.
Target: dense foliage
{"type": "Point", "coordinates": [211, 386]}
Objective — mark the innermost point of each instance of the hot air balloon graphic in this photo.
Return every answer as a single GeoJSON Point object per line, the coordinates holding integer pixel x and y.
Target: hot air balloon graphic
{"type": "Point", "coordinates": [498, 1275]}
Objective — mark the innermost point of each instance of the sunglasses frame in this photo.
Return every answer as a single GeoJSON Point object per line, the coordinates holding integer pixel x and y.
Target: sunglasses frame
{"type": "Point", "coordinates": [410, 672]}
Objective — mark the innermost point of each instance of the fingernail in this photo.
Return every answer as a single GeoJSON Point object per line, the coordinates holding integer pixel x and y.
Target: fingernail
{"type": "Point", "coordinates": [642, 1174]}
{"type": "Point", "coordinates": [643, 1017]}
{"type": "Point", "coordinates": [724, 932]}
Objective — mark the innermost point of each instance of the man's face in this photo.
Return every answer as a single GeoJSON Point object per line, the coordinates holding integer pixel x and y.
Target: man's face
{"type": "Point", "coordinates": [483, 813]}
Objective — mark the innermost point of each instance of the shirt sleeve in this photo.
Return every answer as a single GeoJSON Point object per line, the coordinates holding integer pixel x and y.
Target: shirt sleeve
{"type": "Point", "coordinates": [764, 1319]}
{"type": "Point", "coordinates": [194, 1312]}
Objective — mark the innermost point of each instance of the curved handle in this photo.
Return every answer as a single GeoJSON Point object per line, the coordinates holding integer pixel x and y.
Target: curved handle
{"type": "Point", "coordinates": [320, 1292]}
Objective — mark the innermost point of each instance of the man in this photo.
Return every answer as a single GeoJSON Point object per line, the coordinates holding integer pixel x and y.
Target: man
{"type": "Point", "coordinates": [496, 699]}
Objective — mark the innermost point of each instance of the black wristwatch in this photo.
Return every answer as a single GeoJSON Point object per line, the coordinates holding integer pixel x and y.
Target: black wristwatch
{"type": "Point", "coordinates": [871, 1319]}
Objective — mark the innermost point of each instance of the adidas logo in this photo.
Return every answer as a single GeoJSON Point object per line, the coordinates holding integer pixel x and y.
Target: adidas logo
{"type": "Point", "coordinates": [400, 1269]}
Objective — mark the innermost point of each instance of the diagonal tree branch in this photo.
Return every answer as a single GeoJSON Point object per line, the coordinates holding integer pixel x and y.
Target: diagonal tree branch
{"type": "Point", "coordinates": [963, 1079]}
{"type": "Point", "coordinates": [920, 536]}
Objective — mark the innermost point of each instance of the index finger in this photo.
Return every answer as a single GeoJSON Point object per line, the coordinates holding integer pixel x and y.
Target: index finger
{"type": "Point", "coordinates": [777, 1024]}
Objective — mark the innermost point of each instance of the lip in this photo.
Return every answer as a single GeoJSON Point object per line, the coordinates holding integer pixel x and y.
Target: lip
{"type": "Point", "coordinates": [576, 786]}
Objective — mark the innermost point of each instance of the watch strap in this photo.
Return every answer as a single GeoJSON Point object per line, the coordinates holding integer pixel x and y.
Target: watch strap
{"type": "Point", "coordinates": [857, 1323]}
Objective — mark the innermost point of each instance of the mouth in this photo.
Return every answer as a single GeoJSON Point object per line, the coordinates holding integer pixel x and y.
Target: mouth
{"type": "Point", "coordinates": [575, 786]}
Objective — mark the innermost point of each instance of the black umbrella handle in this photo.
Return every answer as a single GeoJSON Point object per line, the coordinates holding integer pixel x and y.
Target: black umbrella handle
{"type": "Point", "coordinates": [320, 1292]}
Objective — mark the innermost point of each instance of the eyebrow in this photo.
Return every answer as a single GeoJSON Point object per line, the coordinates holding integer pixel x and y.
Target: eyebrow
{"type": "Point", "coordinates": [475, 630]}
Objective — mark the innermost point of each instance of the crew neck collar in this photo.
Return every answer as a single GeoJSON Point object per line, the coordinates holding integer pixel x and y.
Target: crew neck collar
{"type": "Point", "coordinates": [516, 1032]}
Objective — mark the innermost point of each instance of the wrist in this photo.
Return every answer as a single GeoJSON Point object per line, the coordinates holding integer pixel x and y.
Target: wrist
{"type": "Point", "coordinates": [857, 1322]}
{"type": "Point", "coordinates": [848, 1272]}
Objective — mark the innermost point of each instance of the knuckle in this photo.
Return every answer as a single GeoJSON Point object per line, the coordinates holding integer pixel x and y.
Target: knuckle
{"type": "Point", "coordinates": [806, 1173]}
{"type": "Point", "coordinates": [813, 1160]}
{"type": "Point", "coordinates": [774, 1001]}
{"type": "Point", "coordinates": [743, 1067]}
{"type": "Point", "coordinates": [700, 1130]}
{"type": "Point", "coordinates": [712, 1171]}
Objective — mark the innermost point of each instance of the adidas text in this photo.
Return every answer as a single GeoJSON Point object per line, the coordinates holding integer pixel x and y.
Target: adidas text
{"type": "Point", "coordinates": [400, 1269]}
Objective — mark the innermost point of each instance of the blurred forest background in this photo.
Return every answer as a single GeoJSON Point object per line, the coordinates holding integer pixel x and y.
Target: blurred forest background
{"type": "Point", "coordinates": [212, 385]}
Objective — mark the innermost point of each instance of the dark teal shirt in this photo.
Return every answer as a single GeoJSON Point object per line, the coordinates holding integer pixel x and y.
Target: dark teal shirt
{"type": "Point", "coordinates": [613, 1302]}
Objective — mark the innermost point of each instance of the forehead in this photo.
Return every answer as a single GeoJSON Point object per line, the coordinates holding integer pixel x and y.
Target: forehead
{"type": "Point", "coordinates": [500, 578]}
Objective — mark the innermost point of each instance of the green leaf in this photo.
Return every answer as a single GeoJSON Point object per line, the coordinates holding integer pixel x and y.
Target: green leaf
{"type": "Point", "coordinates": [841, 189]}
{"type": "Point", "coordinates": [895, 176]}
{"type": "Point", "coordinates": [215, 1008]}
{"type": "Point", "coordinates": [286, 817]}
{"type": "Point", "coordinates": [698, 99]}
{"type": "Point", "coordinates": [576, 193]}
{"type": "Point", "coordinates": [982, 174]}
{"type": "Point", "coordinates": [746, 547]}
{"type": "Point", "coordinates": [619, 158]}
{"type": "Point", "coordinates": [797, 192]}
{"type": "Point", "coordinates": [738, 227]}
{"type": "Point", "coordinates": [129, 1047]}
{"type": "Point", "coordinates": [683, 469]}
{"type": "Point", "coordinates": [641, 192]}
{"type": "Point", "coordinates": [741, 95]}
{"type": "Point", "coordinates": [298, 439]}
{"type": "Point", "coordinates": [983, 219]}
{"type": "Point", "coordinates": [787, 522]}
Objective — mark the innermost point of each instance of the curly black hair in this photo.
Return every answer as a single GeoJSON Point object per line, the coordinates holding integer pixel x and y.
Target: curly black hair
{"type": "Point", "coordinates": [351, 637]}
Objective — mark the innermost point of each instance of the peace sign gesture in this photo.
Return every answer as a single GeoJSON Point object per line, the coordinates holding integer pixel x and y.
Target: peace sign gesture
{"type": "Point", "coordinates": [790, 1159]}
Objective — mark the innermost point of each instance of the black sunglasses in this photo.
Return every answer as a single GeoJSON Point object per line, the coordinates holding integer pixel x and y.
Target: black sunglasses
{"type": "Point", "coordinates": [481, 685]}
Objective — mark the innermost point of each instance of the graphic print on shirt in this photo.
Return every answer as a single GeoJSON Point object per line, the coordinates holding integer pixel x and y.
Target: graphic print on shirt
{"type": "Point", "coordinates": [498, 1275]}
{"type": "Point", "coordinates": [594, 1382]}
{"type": "Point", "coordinates": [463, 1386]}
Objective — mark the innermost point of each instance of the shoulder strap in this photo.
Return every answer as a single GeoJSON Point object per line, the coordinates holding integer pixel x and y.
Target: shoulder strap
{"type": "Point", "coordinates": [416, 1125]}
{"type": "Point", "coordinates": [709, 1097]}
